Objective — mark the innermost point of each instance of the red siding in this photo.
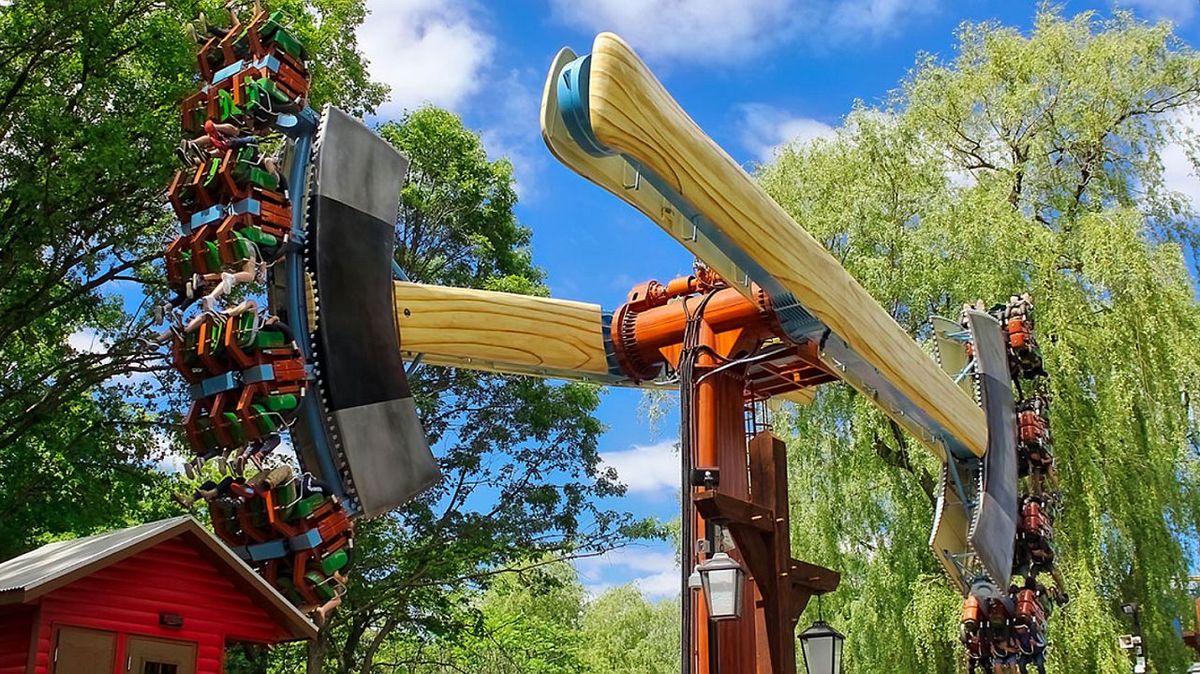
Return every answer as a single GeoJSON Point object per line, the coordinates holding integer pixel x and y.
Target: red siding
{"type": "Point", "coordinates": [16, 629]}
{"type": "Point", "coordinates": [172, 577]}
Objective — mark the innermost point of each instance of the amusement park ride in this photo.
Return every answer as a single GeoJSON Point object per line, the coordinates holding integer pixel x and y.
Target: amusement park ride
{"type": "Point", "coordinates": [769, 313]}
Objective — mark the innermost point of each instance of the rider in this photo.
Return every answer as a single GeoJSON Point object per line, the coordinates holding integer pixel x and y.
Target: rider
{"type": "Point", "coordinates": [219, 137]}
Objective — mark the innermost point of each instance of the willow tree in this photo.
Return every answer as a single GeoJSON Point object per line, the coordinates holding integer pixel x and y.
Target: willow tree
{"type": "Point", "coordinates": [1029, 162]}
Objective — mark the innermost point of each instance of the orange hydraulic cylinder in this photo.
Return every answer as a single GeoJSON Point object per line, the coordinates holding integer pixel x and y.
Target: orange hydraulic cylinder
{"type": "Point", "coordinates": [658, 331]}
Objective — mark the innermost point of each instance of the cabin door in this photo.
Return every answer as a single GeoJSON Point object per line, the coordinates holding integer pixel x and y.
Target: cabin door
{"type": "Point", "coordinates": [82, 651]}
{"type": "Point", "coordinates": [159, 656]}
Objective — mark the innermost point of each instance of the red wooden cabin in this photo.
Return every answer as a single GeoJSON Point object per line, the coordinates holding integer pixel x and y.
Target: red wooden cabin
{"type": "Point", "coordinates": [160, 598]}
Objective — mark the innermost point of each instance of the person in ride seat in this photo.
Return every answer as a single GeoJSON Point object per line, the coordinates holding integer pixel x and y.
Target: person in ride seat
{"type": "Point", "coordinates": [321, 613]}
{"type": "Point", "coordinates": [309, 485]}
{"type": "Point", "coordinates": [251, 270]}
{"type": "Point", "coordinates": [970, 632]}
{"type": "Point", "coordinates": [1029, 622]}
{"type": "Point", "coordinates": [1034, 552]}
{"type": "Point", "coordinates": [1035, 520]}
{"type": "Point", "coordinates": [1041, 560]}
{"type": "Point", "coordinates": [979, 654]}
{"type": "Point", "coordinates": [1000, 636]}
{"type": "Point", "coordinates": [1034, 603]}
{"type": "Point", "coordinates": [201, 31]}
{"type": "Point", "coordinates": [1017, 317]}
{"type": "Point", "coordinates": [173, 317]}
{"type": "Point", "coordinates": [229, 486]}
{"type": "Point", "coordinates": [201, 27]}
{"type": "Point", "coordinates": [1035, 530]}
{"type": "Point", "coordinates": [256, 453]}
{"type": "Point", "coordinates": [1034, 449]}
{"type": "Point", "coordinates": [221, 137]}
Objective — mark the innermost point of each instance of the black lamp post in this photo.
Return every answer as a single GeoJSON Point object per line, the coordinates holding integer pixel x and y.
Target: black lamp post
{"type": "Point", "coordinates": [821, 646]}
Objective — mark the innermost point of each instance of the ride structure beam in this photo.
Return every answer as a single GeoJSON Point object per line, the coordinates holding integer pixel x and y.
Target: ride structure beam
{"type": "Point", "coordinates": [503, 332]}
{"type": "Point", "coordinates": [616, 175]}
{"type": "Point", "coordinates": [720, 440]}
{"type": "Point", "coordinates": [509, 333]}
{"type": "Point", "coordinates": [615, 110]}
{"type": "Point", "coordinates": [724, 349]}
{"type": "Point", "coordinates": [738, 356]}
{"type": "Point", "coordinates": [369, 415]}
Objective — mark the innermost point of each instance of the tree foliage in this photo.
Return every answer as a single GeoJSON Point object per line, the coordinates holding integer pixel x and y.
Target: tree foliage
{"type": "Point", "coordinates": [86, 91]}
{"type": "Point", "coordinates": [530, 625]}
{"type": "Point", "coordinates": [538, 620]}
{"type": "Point", "coordinates": [623, 633]}
{"type": "Point", "coordinates": [1029, 162]}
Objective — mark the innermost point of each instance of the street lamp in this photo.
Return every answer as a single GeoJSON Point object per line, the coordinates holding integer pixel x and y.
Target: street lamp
{"type": "Point", "coordinates": [1133, 642]}
{"type": "Point", "coordinates": [723, 581]}
{"type": "Point", "coordinates": [821, 646]}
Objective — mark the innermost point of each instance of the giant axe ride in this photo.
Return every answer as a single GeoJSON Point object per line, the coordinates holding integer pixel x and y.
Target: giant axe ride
{"type": "Point", "coordinates": [769, 314]}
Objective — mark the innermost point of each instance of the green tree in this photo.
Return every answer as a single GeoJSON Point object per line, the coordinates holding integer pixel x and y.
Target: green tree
{"type": "Point", "coordinates": [535, 620]}
{"type": "Point", "coordinates": [89, 96]}
{"type": "Point", "coordinates": [530, 625]}
{"type": "Point", "coordinates": [526, 621]}
{"type": "Point", "coordinates": [624, 633]}
{"type": "Point", "coordinates": [80, 198]}
{"type": "Point", "coordinates": [1028, 162]}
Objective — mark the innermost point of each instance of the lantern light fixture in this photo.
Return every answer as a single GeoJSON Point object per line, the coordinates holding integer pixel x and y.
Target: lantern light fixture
{"type": "Point", "coordinates": [821, 645]}
{"type": "Point", "coordinates": [724, 581]}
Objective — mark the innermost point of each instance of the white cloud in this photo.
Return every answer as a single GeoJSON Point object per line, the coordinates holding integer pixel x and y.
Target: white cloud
{"type": "Point", "coordinates": [654, 572]}
{"type": "Point", "coordinates": [876, 18]}
{"type": "Point", "coordinates": [647, 468]}
{"type": "Point", "coordinates": [766, 130]}
{"type": "Point", "coordinates": [438, 52]}
{"type": "Point", "coordinates": [171, 463]}
{"type": "Point", "coordinates": [719, 31]}
{"type": "Point", "coordinates": [1179, 173]}
{"type": "Point", "coordinates": [514, 129]}
{"type": "Point", "coordinates": [659, 585]}
{"type": "Point", "coordinates": [427, 51]}
{"type": "Point", "coordinates": [711, 31]}
{"type": "Point", "coordinates": [1179, 11]}
{"type": "Point", "coordinates": [87, 341]}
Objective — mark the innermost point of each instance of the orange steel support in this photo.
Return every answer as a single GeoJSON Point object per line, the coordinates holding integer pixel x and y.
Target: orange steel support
{"type": "Point", "coordinates": [648, 332]}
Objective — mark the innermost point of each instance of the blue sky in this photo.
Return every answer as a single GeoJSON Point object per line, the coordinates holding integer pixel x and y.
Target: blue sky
{"type": "Point", "coordinates": [753, 73]}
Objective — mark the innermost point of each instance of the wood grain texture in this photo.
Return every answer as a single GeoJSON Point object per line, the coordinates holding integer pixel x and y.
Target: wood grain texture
{"type": "Point", "coordinates": [632, 112]}
{"type": "Point", "coordinates": [616, 175]}
{"type": "Point", "coordinates": [468, 327]}
{"type": "Point", "coordinates": [510, 334]}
